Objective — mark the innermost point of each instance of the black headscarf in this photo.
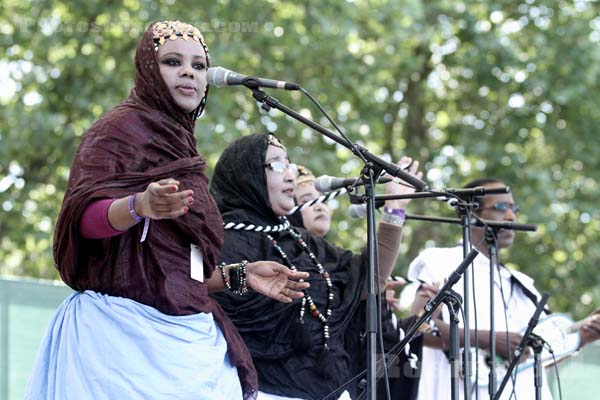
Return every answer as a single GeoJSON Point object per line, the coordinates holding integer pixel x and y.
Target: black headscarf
{"type": "Point", "coordinates": [239, 184]}
{"type": "Point", "coordinates": [287, 365]}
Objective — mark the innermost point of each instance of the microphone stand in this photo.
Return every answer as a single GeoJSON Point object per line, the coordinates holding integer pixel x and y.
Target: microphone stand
{"type": "Point", "coordinates": [463, 207]}
{"type": "Point", "coordinates": [453, 300]}
{"type": "Point", "coordinates": [374, 165]}
{"type": "Point", "coordinates": [363, 153]}
{"type": "Point", "coordinates": [371, 304]}
{"type": "Point", "coordinates": [494, 226]}
{"type": "Point", "coordinates": [490, 238]}
{"type": "Point", "coordinates": [537, 343]}
{"type": "Point", "coordinates": [528, 339]}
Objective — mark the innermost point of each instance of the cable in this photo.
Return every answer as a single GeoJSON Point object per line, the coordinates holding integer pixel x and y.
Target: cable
{"type": "Point", "coordinates": [379, 313]}
{"type": "Point", "coordinates": [555, 368]}
{"type": "Point", "coordinates": [337, 128]}
{"type": "Point", "coordinates": [505, 308]}
{"type": "Point", "coordinates": [475, 325]}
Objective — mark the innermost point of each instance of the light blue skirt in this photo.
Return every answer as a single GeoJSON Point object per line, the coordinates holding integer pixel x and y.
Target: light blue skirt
{"type": "Point", "coordinates": [102, 347]}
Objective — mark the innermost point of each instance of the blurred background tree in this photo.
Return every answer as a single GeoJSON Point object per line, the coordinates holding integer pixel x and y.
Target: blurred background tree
{"type": "Point", "coordinates": [470, 88]}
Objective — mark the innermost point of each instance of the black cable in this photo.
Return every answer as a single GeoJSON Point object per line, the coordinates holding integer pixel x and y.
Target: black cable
{"type": "Point", "coordinates": [337, 128]}
{"type": "Point", "coordinates": [555, 368]}
{"type": "Point", "coordinates": [475, 323]}
{"type": "Point", "coordinates": [505, 308]}
{"type": "Point", "coordinates": [379, 314]}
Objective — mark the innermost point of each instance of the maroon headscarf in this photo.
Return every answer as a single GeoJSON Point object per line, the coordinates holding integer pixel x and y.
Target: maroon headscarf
{"type": "Point", "coordinates": [145, 139]}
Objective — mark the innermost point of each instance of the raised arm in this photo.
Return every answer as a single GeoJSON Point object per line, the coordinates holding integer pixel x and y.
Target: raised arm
{"type": "Point", "coordinates": [389, 233]}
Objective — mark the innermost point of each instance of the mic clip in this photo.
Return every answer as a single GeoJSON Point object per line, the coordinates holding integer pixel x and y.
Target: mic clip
{"type": "Point", "coordinates": [354, 197]}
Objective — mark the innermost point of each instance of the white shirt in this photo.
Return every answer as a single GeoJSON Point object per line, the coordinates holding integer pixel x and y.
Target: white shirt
{"type": "Point", "coordinates": [434, 265]}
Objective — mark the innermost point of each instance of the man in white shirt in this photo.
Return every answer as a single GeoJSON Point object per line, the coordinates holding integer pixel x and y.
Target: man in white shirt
{"type": "Point", "coordinates": [515, 298]}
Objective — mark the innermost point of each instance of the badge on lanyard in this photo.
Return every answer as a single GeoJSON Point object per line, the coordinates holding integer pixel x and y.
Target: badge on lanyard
{"type": "Point", "coordinates": [196, 263]}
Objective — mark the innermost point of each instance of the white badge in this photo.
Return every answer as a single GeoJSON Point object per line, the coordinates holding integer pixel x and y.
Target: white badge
{"type": "Point", "coordinates": [196, 263]}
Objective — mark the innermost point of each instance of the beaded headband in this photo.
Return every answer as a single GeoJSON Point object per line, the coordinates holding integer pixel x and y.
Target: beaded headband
{"type": "Point", "coordinates": [304, 175]}
{"type": "Point", "coordinates": [175, 29]}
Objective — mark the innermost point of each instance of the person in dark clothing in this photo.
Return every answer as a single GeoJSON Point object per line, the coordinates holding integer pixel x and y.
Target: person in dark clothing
{"type": "Point", "coordinates": [301, 349]}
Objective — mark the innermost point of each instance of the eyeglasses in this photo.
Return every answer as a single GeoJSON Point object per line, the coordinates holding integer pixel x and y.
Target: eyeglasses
{"type": "Point", "coordinates": [280, 167]}
{"type": "Point", "coordinates": [503, 206]}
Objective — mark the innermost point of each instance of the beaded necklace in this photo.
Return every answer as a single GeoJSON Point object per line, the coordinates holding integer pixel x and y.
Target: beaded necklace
{"type": "Point", "coordinates": [314, 311]}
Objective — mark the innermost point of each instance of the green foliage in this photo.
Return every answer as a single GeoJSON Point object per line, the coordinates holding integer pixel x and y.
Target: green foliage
{"type": "Point", "coordinates": [499, 88]}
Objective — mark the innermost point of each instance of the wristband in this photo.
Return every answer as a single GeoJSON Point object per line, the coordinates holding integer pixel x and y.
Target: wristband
{"type": "Point", "coordinates": [132, 212]}
{"type": "Point", "coordinates": [395, 216]}
{"type": "Point", "coordinates": [395, 211]}
{"type": "Point", "coordinates": [137, 217]}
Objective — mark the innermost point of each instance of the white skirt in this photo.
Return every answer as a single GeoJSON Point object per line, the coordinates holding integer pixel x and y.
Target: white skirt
{"type": "Point", "coordinates": [103, 347]}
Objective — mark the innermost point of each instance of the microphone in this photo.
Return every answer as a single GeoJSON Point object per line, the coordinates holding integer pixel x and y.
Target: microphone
{"type": "Point", "coordinates": [219, 76]}
{"type": "Point", "coordinates": [360, 210]}
{"type": "Point", "coordinates": [505, 225]}
{"type": "Point", "coordinates": [326, 183]}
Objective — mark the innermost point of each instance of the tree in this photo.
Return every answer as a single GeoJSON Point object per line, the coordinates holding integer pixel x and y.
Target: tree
{"type": "Point", "coordinates": [496, 88]}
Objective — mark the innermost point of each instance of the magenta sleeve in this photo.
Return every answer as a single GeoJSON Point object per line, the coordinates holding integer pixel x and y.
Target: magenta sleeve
{"type": "Point", "coordinates": [94, 222]}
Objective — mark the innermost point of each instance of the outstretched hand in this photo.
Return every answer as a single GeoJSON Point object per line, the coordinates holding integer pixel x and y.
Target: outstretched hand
{"type": "Point", "coordinates": [163, 200]}
{"type": "Point", "coordinates": [275, 280]}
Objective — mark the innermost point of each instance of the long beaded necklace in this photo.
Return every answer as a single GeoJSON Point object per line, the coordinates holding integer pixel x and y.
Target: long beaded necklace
{"type": "Point", "coordinates": [314, 310]}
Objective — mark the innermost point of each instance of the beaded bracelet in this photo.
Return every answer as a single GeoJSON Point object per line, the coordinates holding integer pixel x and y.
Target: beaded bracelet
{"type": "Point", "coordinates": [236, 277]}
{"type": "Point", "coordinates": [394, 215]}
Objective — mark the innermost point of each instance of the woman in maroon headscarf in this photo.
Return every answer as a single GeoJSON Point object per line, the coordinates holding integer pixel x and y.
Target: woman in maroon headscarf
{"type": "Point", "coordinates": [138, 237]}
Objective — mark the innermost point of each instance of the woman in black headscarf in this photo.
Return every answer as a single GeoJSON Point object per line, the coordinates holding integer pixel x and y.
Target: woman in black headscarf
{"type": "Point", "coordinates": [299, 349]}
{"type": "Point", "coordinates": [402, 373]}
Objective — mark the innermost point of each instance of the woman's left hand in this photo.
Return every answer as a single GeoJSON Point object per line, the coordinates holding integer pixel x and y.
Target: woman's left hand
{"type": "Point", "coordinates": [276, 280]}
{"type": "Point", "coordinates": [402, 187]}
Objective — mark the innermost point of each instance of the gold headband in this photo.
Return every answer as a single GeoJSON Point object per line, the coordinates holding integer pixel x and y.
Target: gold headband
{"type": "Point", "coordinates": [304, 176]}
{"type": "Point", "coordinates": [172, 30]}
{"type": "Point", "coordinates": [275, 142]}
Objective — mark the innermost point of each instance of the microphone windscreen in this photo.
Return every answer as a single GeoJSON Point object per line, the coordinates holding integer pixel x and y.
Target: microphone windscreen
{"type": "Point", "coordinates": [323, 183]}
{"type": "Point", "coordinates": [357, 210]}
{"type": "Point", "coordinates": [216, 76]}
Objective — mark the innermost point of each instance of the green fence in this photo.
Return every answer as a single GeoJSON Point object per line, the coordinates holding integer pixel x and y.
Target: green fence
{"type": "Point", "coordinates": [27, 305]}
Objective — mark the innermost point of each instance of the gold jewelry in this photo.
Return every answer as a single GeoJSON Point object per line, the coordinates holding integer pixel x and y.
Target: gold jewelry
{"type": "Point", "coordinates": [274, 141]}
{"type": "Point", "coordinates": [304, 175]}
{"type": "Point", "coordinates": [175, 29]}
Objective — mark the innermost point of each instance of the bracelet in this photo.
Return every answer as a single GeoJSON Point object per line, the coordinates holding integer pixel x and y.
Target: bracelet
{"type": "Point", "coordinates": [236, 277]}
{"type": "Point", "coordinates": [131, 208]}
{"type": "Point", "coordinates": [395, 211]}
{"type": "Point", "coordinates": [395, 216]}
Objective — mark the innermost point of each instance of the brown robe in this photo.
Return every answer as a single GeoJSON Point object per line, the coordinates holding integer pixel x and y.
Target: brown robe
{"type": "Point", "coordinates": [143, 140]}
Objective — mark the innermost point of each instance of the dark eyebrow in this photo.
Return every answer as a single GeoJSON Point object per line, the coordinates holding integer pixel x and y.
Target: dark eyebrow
{"type": "Point", "coordinates": [173, 53]}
